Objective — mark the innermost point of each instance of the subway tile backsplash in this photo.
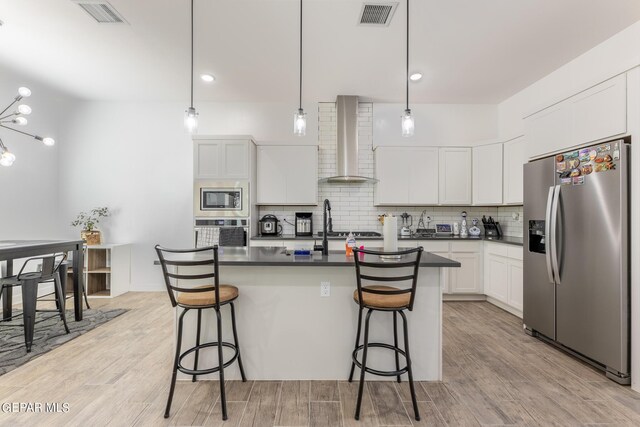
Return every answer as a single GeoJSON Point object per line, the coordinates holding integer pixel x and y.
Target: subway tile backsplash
{"type": "Point", "coordinates": [352, 204]}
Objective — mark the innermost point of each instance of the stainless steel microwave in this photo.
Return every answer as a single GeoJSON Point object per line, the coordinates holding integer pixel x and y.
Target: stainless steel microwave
{"type": "Point", "coordinates": [221, 199]}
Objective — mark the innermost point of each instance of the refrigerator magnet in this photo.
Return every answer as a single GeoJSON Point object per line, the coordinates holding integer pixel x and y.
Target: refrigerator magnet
{"type": "Point", "coordinates": [566, 181]}
{"type": "Point", "coordinates": [603, 148]}
{"type": "Point", "coordinates": [572, 155]}
{"type": "Point", "coordinates": [561, 166]}
{"type": "Point", "coordinates": [593, 154]}
{"type": "Point", "coordinates": [584, 156]}
{"type": "Point", "coordinates": [574, 173]}
{"type": "Point", "coordinates": [587, 169]}
{"type": "Point", "coordinates": [573, 163]}
{"type": "Point", "coordinates": [559, 158]}
{"type": "Point", "coordinates": [578, 180]}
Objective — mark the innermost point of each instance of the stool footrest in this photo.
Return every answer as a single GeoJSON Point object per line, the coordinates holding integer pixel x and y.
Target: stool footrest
{"type": "Point", "coordinates": [208, 370]}
{"type": "Point", "coordinates": [375, 371]}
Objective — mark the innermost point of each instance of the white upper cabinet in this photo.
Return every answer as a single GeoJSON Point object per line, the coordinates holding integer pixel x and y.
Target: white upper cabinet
{"type": "Point", "coordinates": [487, 174]}
{"type": "Point", "coordinates": [406, 176]}
{"type": "Point", "coordinates": [455, 176]}
{"type": "Point", "coordinates": [548, 130]}
{"type": "Point", "coordinates": [597, 113]}
{"type": "Point", "coordinates": [392, 173]}
{"type": "Point", "coordinates": [423, 176]}
{"type": "Point", "coordinates": [514, 160]}
{"type": "Point", "coordinates": [600, 112]}
{"type": "Point", "coordinates": [221, 159]}
{"type": "Point", "coordinates": [287, 175]}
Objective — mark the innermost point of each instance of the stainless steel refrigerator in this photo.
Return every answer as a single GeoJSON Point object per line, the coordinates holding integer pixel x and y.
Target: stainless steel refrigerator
{"type": "Point", "coordinates": [576, 257]}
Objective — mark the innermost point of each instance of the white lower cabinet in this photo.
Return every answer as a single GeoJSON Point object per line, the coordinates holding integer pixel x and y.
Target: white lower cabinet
{"type": "Point", "coordinates": [496, 274]}
{"type": "Point", "coordinates": [465, 279]}
{"type": "Point", "coordinates": [515, 284]}
{"type": "Point", "coordinates": [503, 278]}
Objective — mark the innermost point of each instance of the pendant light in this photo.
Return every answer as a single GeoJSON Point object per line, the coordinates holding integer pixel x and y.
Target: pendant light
{"type": "Point", "coordinates": [15, 118]}
{"type": "Point", "coordinates": [190, 115]}
{"type": "Point", "coordinates": [299, 117]}
{"type": "Point", "coordinates": [408, 125]}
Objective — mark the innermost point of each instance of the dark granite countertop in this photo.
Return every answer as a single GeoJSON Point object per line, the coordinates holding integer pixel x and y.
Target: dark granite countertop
{"type": "Point", "coordinates": [279, 257]}
{"type": "Point", "coordinates": [517, 241]}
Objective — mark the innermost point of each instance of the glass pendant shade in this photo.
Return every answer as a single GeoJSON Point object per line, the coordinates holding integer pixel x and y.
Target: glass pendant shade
{"type": "Point", "coordinates": [20, 121]}
{"type": "Point", "coordinates": [24, 109]}
{"type": "Point", "coordinates": [24, 92]}
{"type": "Point", "coordinates": [49, 142]}
{"type": "Point", "coordinates": [408, 125]}
{"type": "Point", "coordinates": [191, 120]}
{"type": "Point", "coordinates": [300, 123]}
{"type": "Point", "coordinates": [7, 158]}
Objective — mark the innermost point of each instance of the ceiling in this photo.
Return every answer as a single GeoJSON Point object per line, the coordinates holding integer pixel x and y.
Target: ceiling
{"type": "Point", "coordinates": [470, 51]}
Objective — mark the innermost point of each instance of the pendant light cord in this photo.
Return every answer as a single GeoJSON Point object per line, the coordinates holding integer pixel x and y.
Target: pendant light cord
{"type": "Point", "coordinates": [300, 99]}
{"type": "Point", "coordinates": [407, 76]}
{"type": "Point", "coordinates": [191, 53]}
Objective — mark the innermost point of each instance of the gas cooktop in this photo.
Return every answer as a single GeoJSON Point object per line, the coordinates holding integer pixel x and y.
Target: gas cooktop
{"type": "Point", "coordinates": [355, 233]}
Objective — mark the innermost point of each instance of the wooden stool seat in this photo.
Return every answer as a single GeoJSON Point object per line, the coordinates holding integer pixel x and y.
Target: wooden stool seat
{"type": "Point", "coordinates": [382, 300]}
{"type": "Point", "coordinates": [203, 299]}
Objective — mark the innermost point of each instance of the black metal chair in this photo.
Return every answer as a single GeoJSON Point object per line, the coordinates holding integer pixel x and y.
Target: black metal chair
{"type": "Point", "coordinates": [188, 265]}
{"type": "Point", "coordinates": [381, 297]}
{"type": "Point", "coordinates": [64, 267]}
{"type": "Point", "coordinates": [48, 271]}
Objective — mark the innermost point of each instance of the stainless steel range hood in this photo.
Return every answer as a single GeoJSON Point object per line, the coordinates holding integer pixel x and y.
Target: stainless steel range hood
{"type": "Point", "coordinates": [347, 143]}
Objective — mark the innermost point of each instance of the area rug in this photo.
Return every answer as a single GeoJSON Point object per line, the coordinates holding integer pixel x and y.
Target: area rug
{"type": "Point", "coordinates": [49, 334]}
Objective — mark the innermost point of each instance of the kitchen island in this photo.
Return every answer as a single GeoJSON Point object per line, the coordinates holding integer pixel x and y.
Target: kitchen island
{"type": "Point", "coordinates": [287, 330]}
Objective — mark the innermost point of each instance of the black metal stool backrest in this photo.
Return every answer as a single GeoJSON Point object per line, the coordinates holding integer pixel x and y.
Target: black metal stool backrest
{"type": "Point", "coordinates": [189, 260]}
{"type": "Point", "coordinates": [47, 269]}
{"type": "Point", "coordinates": [405, 259]}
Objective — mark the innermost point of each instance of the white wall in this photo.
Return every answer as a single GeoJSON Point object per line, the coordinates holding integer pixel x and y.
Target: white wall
{"type": "Point", "coordinates": [29, 189]}
{"type": "Point", "coordinates": [436, 124]}
{"type": "Point", "coordinates": [614, 56]}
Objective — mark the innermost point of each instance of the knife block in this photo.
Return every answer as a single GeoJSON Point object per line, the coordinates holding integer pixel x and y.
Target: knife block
{"type": "Point", "coordinates": [492, 230]}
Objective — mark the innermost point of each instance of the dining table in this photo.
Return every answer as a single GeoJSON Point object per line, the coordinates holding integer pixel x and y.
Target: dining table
{"type": "Point", "coordinates": [11, 250]}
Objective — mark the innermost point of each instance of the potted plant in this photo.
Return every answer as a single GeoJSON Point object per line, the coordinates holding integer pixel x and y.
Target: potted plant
{"type": "Point", "coordinates": [88, 221]}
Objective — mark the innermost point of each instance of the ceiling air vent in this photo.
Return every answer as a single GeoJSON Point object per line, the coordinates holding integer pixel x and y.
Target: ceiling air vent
{"type": "Point", "coordinates": [101, 11]}
{"type": "Point", "coordinates": [377, 14]}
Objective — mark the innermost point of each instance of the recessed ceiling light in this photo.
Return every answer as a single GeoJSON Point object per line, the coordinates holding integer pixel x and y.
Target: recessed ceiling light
{"type": "Point", "coordinates": [207, 78]}
{"type": "Point", "coordinates": [415, 77]}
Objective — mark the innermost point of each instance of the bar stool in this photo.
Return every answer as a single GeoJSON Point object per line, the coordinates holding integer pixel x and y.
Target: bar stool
{"type": "Point", "coordinates": [198, 265]}
{"type": "Point", "coordinates": [378, 297]}
{"type": "Point", "coordinates": [48, 271]}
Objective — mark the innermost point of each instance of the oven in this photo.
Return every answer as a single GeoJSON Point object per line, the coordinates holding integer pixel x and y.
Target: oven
{"type": "Point", "coordinates": [221, 199]}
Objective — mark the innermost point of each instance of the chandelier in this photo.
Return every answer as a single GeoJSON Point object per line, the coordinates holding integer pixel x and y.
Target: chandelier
{"type": "Point", "coordinates": [17, 118]}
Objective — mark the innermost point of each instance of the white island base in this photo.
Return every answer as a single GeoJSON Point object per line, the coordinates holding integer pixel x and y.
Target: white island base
{"type": "Point", "coordinates": [287, 331]}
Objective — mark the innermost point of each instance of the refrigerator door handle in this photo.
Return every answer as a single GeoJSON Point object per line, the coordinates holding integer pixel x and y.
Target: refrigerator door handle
{"type": "Point", "coordinates": [554, 230]}
{"type": "Point", "coordinates": [547, 233]}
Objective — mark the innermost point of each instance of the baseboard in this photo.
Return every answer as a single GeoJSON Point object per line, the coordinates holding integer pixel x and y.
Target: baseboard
{"type": "Point", "coordinates": [463, 297]}
{"type": "Point", "coordinates": [505, 307]}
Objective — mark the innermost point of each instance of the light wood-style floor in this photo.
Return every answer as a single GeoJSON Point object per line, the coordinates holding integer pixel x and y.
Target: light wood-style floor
{"type": "Point", "coordinates": [118, 375]}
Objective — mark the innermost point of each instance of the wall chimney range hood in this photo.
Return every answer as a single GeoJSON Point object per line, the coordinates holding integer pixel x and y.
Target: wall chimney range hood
{"type": "Point", "coordinates": [347, 143]}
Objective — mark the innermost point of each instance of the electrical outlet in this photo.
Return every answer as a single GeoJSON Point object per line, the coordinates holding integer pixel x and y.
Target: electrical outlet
{"type": "Point", "coordinates": [325, 289]}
